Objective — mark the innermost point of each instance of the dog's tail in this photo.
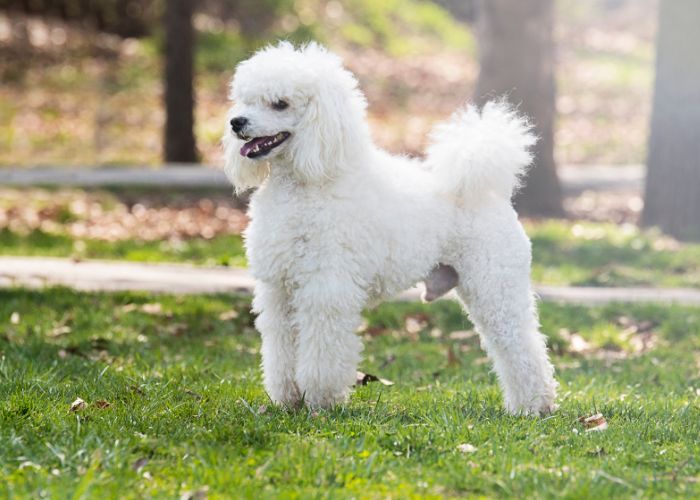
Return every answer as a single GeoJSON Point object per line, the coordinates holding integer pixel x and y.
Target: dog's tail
{"type": "Point", "coordinates": [478, 152]}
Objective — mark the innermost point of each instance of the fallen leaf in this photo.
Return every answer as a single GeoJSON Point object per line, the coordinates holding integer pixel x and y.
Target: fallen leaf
{"type": "Point", "coordinates": [177, 329]}
{"type": "Point", "coordinates": [436, 333]}
{"type": "Point", "coordinates": [102, 404]}
{"type": "Point", "coordinates": [228, 315]}
{"type": "Point", "coordinates": [365, 378]}
{"type": "Point", "coordinates": [374, 331]}
{"type": "Point", "coordinates": [78, 405]}
{"type": "Point", "coordinates": [466, 448]}
{"type": "Point", "coordinates": [27, 464]}
{"type": "Point", "coordinates": [193, 394]}
{"type": "Point", "coordinates": [199, 494]}
{"type": "Point", "coordinates": [154, 308]}
{"type": "Point", "coordinates": [462, 335]}
{"type": "Point", "coordinates": [415, 323]}
{"type": "Point", "coordinates": [578, 344]}
{"type": "Point", "coordinates": [595, 422]}
{"type": "Point", "coordinates": [59, 331]}
{"type": "Point", "coordinates": [139, 464]}
{"type": "Point", "coordinates": [136, 389]}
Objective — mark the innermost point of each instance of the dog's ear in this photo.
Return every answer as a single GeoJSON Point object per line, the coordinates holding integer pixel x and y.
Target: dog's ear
{"type": "Point", "coordinates": [333, 127]}
{"type": "Point", "coordinates": [243, 173]}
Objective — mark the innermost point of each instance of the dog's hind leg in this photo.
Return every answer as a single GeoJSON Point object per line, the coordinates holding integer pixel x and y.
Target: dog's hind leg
{"type": "Point", "coordinates": [495, 287]}
{"type": "Point", "coordinates": [278, 343]}
{"type": "Point", "coordinates": [327, 314]}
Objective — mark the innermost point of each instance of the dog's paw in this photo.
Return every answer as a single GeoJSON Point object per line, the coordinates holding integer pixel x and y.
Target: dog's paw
{"type": "Point", "coordinates": [539, 406]}
{"type": "Point", "coordinates": [284, 393]}
{"type": "Point", "coordinates": [324, 398]}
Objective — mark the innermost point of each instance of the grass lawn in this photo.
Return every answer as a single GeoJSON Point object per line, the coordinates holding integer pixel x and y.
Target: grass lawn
{"type": "Point", "coordinates": [174, 404]}
{"type": "Point", "coordinates": [564, 253]}
{"type": "Point", "coordinates": [222, 250]}
{"type": "Point", "coordinates": [596, 254]}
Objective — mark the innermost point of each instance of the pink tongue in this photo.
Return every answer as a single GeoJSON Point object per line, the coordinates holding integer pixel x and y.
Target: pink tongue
{"type": "Point", "coordinates": [248, 146]}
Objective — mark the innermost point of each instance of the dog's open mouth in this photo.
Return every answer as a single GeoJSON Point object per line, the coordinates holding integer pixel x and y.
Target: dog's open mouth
{"type": "Point", "coordinates": [260, 146]}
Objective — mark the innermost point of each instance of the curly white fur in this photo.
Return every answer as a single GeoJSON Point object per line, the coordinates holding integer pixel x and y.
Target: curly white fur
{"type": "Point", "coordinates": [337, 224]}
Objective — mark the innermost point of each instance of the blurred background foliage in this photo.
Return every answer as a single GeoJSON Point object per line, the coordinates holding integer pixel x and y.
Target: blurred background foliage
{"type": "Point", "coordinates": [82, 83]}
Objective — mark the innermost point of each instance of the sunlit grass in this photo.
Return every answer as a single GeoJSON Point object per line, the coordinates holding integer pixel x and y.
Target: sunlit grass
{"type": "Point", "coordinates": [595, 254]}
{"type": "Point", "coordinates": [223, 250]}
{"type": "Point", "coordinates": [187, 411]}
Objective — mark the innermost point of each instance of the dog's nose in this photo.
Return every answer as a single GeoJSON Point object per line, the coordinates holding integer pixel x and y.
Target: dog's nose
{"type": "Point", "coordinates": [238, 123]}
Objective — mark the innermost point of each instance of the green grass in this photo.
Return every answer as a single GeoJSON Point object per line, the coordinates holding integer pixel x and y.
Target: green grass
{"type": "Point", "coordinates": [595, 254]}
{"type": "Point", "coordinates": [223, 250]}
{"type": "Point", "coordinates": [564, 253]}
{"type": "Point", "coordinates": [187, 410]}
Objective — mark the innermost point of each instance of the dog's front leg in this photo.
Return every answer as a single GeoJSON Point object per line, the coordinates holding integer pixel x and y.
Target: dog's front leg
{"type": "Point", "coordinates": [278, 343]}
{"type": "Point", "coordinates": [327, 314]}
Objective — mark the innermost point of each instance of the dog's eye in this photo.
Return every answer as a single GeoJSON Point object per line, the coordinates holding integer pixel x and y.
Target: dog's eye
{"type": "Point", "coordinates": [280, 105]}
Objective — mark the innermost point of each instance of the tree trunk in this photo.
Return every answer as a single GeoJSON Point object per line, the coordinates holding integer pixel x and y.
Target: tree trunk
{"type": "Point", "coordinates": [179, 94]}
{"type": "Point", "coordinates": [672, 197]}
{"type": "Point", "coordinates": [517, 62]}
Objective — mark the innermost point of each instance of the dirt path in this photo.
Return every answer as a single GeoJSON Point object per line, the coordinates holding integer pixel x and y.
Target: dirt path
{"type": "Point", "coordinates": [183, 279]}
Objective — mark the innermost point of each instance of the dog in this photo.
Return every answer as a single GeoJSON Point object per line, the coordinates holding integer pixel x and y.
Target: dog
{"type": "Point", "coordinates": [337, 224]}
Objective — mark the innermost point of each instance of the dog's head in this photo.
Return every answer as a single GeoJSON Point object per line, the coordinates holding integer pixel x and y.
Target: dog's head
{"type": "Point", "coordinates": [292, 109]}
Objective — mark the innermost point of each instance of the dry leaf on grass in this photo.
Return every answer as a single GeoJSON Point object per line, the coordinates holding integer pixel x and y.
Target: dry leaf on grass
{"type": "Point", "coordinates": [595, 422]}
{"type": "Point", "coordinates": [139, 464]}
{"type": "Point", "coordinates": [154, 308]}
{"type": "Point", "coordinates": [77, 405]}
{"type": "Point", "coordinates": [177, 329]}
{"type": "Point", "coordinates": [199, 494]}
{"type": "Point", "coordinates": [102, 404]}
{"type": "Point", "coordinates": [228, 315]}
{"type": "Point", "coordinates": [59, 331]}
{"type": "Point", "coordinates": [415, 323]}
{"type": "Point", "coordinates": [190, 392]}
{"type": "Point", "coordinates": [466, 448]}
{"type": "Point", "coordinates": [576, 343]}
{"type": "Point", "coordinates": [374, 331]}
{"type": "Point", "coordinates": [365, 378]}
{"type": "Point", "coordinates": [462, 335]}
{"type": "Point", "coordinates": [436, 333]}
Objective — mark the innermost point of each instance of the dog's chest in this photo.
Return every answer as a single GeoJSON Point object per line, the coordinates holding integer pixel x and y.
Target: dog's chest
{"type": "Point", "coordinates": [282, 238]}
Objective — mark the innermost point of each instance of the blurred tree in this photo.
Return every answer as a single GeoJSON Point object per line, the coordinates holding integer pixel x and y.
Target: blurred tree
{"type": "Point", "coordinates": [179, 93]}
{"type": "Point", "coordinates": [126, 18]}
{"type": "Point", "coordinates": [464, 10]}
{"type": "Point", "coordinates": [516, 57]}
{"type": "Point", "coordinates": [672, 197]}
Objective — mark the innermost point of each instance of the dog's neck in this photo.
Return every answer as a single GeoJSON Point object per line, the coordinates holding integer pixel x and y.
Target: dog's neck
{"type": "Point", "coordinates": [283, 171]}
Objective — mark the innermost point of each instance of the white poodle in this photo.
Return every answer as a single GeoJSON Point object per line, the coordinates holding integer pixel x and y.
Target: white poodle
{"type": "Point", "coordinates": [337, 224]}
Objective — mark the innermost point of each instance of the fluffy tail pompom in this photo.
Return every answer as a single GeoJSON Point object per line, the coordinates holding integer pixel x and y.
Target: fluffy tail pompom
{"type": "Point", "coordinates": [482, 151]}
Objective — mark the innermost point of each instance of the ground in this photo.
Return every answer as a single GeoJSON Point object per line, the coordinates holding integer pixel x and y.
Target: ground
{"type": "Point", "coordinates": [173, 403]}
{"type": "Point", "coordinates": [204, 228]}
